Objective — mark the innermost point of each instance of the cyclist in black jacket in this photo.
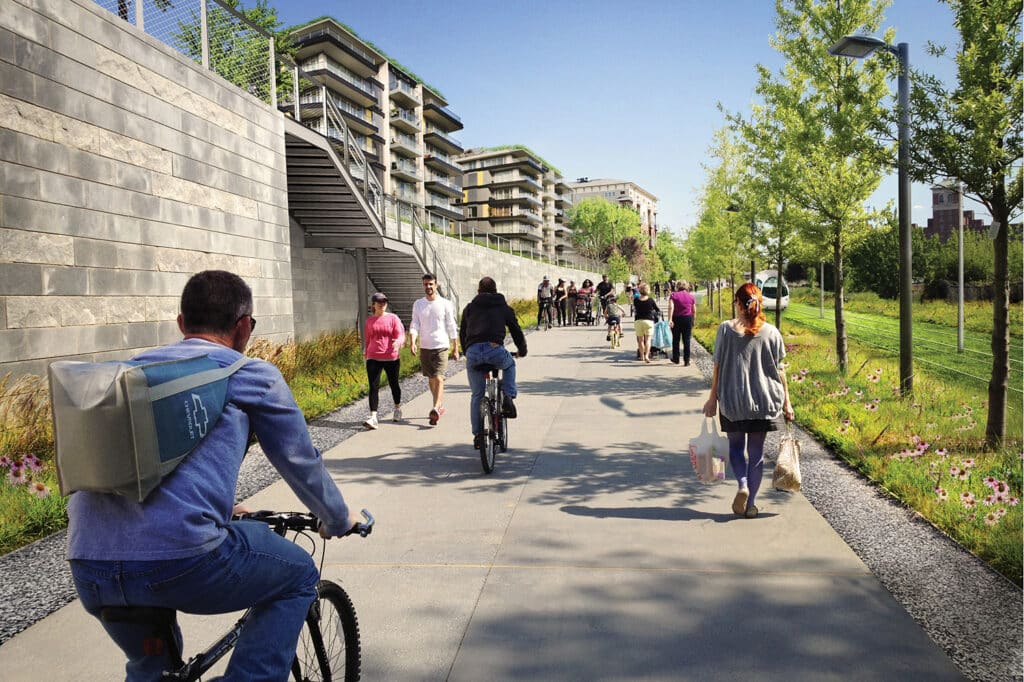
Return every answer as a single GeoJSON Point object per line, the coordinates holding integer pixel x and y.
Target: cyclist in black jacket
{"type": "Point", "coordinates": [482, 335]}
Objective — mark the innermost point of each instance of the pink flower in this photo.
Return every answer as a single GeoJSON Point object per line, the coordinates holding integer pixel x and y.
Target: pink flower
{"type": "Point", "coordinates": [878, 370]}
{"type": "Point", "coordinates": [17, 475]}
{"type": "Point", "coordinates": [39, 490]}
{"type": "Point", "coordinates": [805, 371]}
{"type": "Point", "coordinates": [1001, 512]}
{"type": "Point", "coordinates": [964, 473]}
{"type": "Point", "coordinates": [915, 439]}
{"type": "Point", "coordinates": [990, 500]}
{"type": "Point", "coordinates": [967, 495]}
{"type": "Point", "coordinates": [877, 400]}
{"type": "Point", "coordinates": [969, 504]}
{"type": "Point", "coordinates": [846, 422]}
{"type": "Point", "coordinates": [871, 407]}
{"type": "Point", "coordinates": [991, 519]}
{"type": "Point", "coordinates": [969, 463]}
{"type": "Point", "coordinates": [990, 481]}
{"type": "Point", "coordinates": [941, 494]}
{"type": "Point", "coordinates": [873, 378]}
{"type": "Point", "coordinates": [942, 452]}
{"type": "Point", "coordinates": [1001, 487]}
{"type": "Point", "coordinates": [1013, 501]}
{"type": "Point", "coordinates": [5, 462]}
{"type": "Point", "coordinates": [33, 463]}
{"type": "Point", "coordinates": [858, 393]}
{"type": "Point", "coordinates": [954, 471]}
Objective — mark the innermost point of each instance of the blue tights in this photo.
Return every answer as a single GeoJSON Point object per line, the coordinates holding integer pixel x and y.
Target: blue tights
{"type": "Point", "coordinates": [749, 470]}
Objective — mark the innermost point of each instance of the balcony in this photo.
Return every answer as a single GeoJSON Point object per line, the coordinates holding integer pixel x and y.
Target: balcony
{"type": "Point", "coordinates": [442, 163]}
{"type": "Point", "coordinates": [518, 230]}
{"type": "Point", "coordinates": [442, 140]}
{"type": "Point", "coordinates": [404, 170]}
{"type": "Point", "coordinates": [563, 201]}
{"type": "Point", "coordinates": [404, 93]}
{"type": "Point", "coordinates": [440, 205]}
{"type": "Point", "coordinates": [404, 144]}
{"type": "Point", "coordinates": [516, 179]}
{"type": "Point", "coordinates": [432, 111]}
{"type": "Point", "coordinates": [340, 47]}
{"type": "Point", "coordinates": [442, 185]}
{"type": "Point", "coordinates": [506, 197]}
{"type": "Point", "coordinates": [365, 91]}
{"type": "Point", "coordinates": [404, 119]}
{"type": "Point", "coordinates": [504, 214]}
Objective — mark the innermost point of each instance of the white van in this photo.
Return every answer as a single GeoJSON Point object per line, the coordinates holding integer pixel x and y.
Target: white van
{"type": "Point", "coordinates": [768, 282]}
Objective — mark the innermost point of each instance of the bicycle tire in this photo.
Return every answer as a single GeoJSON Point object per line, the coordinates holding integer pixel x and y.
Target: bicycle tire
{"type": "Point", "coordinates": [328, 646]}
{"type": "Point", "coordinates": [487, 442]}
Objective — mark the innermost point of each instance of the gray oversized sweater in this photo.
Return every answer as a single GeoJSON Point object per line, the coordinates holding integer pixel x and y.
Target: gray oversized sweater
{"type": "Point", "coordinates": [749, 382]}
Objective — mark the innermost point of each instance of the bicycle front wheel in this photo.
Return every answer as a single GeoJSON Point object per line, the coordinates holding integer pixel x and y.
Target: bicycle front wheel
{"type": "Point", "coordinates": [487, 441]}
{"type": "Point", "coordinates": [328, 647]}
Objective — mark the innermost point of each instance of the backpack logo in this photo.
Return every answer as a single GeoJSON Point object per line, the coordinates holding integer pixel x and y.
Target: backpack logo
{"type": "Point", "coordinates": [198, 409]}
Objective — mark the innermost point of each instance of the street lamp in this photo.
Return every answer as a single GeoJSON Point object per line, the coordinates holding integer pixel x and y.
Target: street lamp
{"type": "Point", "coordinates": [734, 208]}
{"type": "Point", "coordinates": [860, 47]}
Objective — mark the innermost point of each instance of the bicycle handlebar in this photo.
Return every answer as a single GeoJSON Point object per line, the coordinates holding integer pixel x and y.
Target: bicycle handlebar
{"type": "Point", "coordinates": [282, 522]}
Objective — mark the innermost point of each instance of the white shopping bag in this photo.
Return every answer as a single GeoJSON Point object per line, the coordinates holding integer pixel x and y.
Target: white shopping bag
{"type": "Point", "coordinates": [708, 451]}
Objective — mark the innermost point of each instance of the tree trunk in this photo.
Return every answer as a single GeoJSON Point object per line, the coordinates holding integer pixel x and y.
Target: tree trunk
{"type": "Point", "coordinates": [995, 428]}
{"type": "Point", "coordinates": [841, 346]}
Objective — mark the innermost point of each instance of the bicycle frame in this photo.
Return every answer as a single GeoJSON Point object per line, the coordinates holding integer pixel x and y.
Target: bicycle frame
{"type": "Point", "coordinates": [195, 667]}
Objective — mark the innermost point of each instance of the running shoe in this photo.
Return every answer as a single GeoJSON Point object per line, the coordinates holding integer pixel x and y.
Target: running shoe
{"type": "Point", "coordinates": [397, 416]}
{"type": "Point", "coordinates": [434, 416]}
{"type": "Point", "coordinates": [371, 422]}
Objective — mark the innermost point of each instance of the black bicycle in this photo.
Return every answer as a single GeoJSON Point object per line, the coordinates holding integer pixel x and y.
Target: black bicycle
{"type": "Point", "coordinates": [328, 647]}
{"type": "Point", "coordinates": [494, 436]}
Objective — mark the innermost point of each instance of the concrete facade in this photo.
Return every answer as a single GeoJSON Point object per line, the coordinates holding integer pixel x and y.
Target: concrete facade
{"type": "Point", "coordinates": [125, 168]}
{"type": "Point", "coordinates": [325, 290]}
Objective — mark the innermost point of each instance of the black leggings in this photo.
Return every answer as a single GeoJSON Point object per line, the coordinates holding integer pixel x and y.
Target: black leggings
{"type": "Point", "coordinates": [390, 367]}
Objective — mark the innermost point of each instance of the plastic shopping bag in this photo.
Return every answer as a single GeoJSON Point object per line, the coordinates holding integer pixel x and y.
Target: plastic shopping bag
{"type": "Point", "coordinates": [708, 452]}
{"type": "Point", "coordinates": [662, 337]}
{"type": "Point", "coordinates": [787, 467]}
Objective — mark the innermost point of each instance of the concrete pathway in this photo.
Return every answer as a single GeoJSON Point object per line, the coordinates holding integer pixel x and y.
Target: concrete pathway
{"type": "Point", "coordinates": [591, 553]}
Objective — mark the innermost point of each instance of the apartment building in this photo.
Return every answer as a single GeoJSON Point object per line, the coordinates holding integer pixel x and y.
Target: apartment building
{"type": "Point", "coordinates": [510, 192]}
{"type": "Point", "coordinates": [402, 125]}
{"type": "Point", "coordinates": [624, 193]}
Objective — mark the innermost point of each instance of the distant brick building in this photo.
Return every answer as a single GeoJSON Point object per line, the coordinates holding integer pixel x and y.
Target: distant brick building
{"type": "Point", "coordinates": [945, 204]}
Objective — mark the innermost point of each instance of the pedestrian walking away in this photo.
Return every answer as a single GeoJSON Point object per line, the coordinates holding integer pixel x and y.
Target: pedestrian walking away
{"type": "Point", "coordinates": [433, 319]}
{"type": "Point", "coordinates": [545, 298]}
{"type": "Point", "coordinates": [179, 547]}
{"type": "Point", "coordinates": [646, 313]}
{"type": "Point", "coordinates": [561, 298]}
{"type": "Point", "coordinates": [383, 337]}
{"type": "Point", "coordinates": [748, 391]}
{"type": "Point", "coordinates": [682, 311]}
{"type": "Point", "coordinates": [482, 334]}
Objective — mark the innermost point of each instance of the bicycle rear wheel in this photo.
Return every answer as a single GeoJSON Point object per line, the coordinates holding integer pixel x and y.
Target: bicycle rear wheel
{"type": "Point", "coordinates": [501, 426]}
{"type": "Point", "coordinates": [487, 443]}
{"type": "Point", "coordinates": [328, 647]}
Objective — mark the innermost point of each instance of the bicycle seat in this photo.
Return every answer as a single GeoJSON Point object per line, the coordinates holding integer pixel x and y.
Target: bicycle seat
{"type": "Point", "coordinates": [486, 369]}
{"type": "Point", "coordinates": [156, 615]}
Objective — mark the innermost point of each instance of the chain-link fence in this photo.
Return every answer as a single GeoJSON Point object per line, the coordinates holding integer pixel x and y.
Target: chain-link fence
{"type": "Point", "coordinates": [211, 34]}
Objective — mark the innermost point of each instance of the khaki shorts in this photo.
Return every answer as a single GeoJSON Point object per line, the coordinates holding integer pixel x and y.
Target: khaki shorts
{"type": "Point", "coordinates": [643, 327]}
{"type": "Point", "coordinates": [433, 361]}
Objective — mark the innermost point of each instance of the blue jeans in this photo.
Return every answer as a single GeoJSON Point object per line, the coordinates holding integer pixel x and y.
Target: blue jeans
{"type": "Point", "coordinates": [253, 567]}
{"type": "Point", "coordinates": [485, 354]}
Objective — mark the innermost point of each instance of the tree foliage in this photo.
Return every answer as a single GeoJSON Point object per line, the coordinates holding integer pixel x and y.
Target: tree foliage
{"type": "Point", "coordinates": [972, 133]}
{"type": "Point", "coordinates": [601, 230]}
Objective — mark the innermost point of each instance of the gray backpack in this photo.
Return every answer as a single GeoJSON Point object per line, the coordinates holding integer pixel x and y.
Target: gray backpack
{"type": "Point", "coordinates": [121, 427]}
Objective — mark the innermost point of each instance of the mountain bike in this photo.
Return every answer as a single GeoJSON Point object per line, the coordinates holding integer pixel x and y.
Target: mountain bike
{"type": "Point", "coordinates": [492, 418]}
{"type": "Point", "coordinates": [328, 647]}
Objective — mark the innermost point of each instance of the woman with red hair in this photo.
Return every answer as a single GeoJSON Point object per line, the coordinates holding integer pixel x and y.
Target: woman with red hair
{"type": "Point", "coordinates": [749, 391]}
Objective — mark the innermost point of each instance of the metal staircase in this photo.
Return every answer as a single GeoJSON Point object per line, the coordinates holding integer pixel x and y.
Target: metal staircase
{"type": "Point", "coordinates": [334, 195]}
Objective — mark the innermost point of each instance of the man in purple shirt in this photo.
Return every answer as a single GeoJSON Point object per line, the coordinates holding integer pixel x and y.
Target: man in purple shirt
{"type": "Point", "coordinates": [179, 548]}
{"type": "Point", "coordinates": [681, 308]}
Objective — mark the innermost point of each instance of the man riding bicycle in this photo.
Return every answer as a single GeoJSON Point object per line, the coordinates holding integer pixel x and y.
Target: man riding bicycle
{"type": "Point", "coordinates": [179, 548]}
{"type": "Point", "coordinates": [482, 335]}
{"type": "Point", "coordinates": [545, 298]}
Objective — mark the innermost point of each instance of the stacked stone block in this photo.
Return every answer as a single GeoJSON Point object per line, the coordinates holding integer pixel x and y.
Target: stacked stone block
{"type": "Point", "coordinates": [124, 169]}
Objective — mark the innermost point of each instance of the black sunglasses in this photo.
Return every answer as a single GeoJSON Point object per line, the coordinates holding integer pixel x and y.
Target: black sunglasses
{"type": "Point", "coordinates": [252, 321]}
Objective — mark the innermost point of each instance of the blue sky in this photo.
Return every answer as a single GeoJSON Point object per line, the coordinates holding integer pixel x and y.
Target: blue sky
{"type": "Point", "coordinates": [603, 88]}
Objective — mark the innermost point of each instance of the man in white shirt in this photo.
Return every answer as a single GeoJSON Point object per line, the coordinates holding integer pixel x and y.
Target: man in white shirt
{"type": "Point", "coordinates": [433, 318]}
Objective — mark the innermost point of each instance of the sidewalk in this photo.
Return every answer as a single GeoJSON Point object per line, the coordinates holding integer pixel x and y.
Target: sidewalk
{"type": "Point", "coordinates": [591, 553]}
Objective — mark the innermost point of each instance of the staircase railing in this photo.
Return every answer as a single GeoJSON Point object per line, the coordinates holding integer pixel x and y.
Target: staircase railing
{"type": "Point", "coordinates": [402, 222]}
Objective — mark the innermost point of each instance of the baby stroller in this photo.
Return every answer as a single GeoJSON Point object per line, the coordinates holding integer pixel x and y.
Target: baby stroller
{"type": "Point", "coordinates": [584, 310]}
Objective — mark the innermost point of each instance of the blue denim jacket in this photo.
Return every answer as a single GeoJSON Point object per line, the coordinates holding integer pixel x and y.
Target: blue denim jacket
{"type": "Point", "coordinates": [187, 514]}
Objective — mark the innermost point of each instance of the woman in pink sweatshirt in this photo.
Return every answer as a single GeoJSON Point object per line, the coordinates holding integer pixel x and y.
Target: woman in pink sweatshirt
{"type": "Point", "coordinates": [383, 336]}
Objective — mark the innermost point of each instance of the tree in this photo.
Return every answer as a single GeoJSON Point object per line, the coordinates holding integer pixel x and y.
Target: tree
{"type": "Point", "coordinates": [671, 253]}
{"type": "Point", "coordinates": [828, 108]}
{"type": "Point", "coordinates": [973, 133]}
{"type": "Point", "coordinates": [599, 227]}
{"type": "Point", "coordinates": [237, 52]}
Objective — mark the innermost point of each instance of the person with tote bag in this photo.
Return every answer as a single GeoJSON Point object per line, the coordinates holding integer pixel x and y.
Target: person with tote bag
{"type": "Point", "coordinates": [748, 391]}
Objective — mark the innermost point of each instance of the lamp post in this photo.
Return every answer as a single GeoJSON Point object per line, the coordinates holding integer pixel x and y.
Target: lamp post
{"type": "Point", "coordinates": [860, 47]}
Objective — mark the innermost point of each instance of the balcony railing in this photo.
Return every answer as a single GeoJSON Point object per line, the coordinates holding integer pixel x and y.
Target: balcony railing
{"type": "Point", "coordinates": [437, 131]}
{"type": "Point", "coordinates": [406, 115]}
{"type": "Point", "coordinates": [367, 86]}
{"type": "Point", "coordinates": [341, 38]}
{"type": "Point", "coordinates": [401, 86]}
{"type": "Point", "coordinates": [316, 97]}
